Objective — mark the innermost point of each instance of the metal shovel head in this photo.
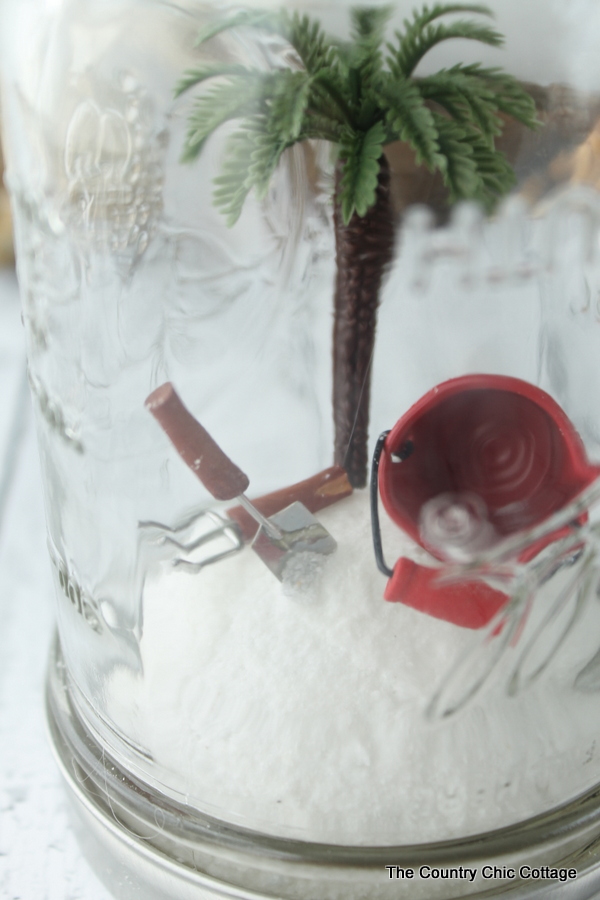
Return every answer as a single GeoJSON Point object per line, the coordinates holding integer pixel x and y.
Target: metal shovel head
{"type": "Point", "coordinates": [303, 538]}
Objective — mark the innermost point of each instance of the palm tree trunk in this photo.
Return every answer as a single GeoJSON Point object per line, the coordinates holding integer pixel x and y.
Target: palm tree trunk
{"type": "Point", "coordinates": [363, 250]}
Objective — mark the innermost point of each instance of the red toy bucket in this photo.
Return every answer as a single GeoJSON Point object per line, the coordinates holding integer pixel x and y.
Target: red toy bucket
{"type": "Point", "coordinates": [501, 445]}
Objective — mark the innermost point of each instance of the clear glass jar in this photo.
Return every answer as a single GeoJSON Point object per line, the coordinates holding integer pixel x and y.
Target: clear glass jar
{"type": "Point", "coordinates": [268, 695]}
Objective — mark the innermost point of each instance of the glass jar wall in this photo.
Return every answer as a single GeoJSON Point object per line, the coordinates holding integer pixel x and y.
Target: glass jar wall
{"type": "Point", "coordinates": [304, 687]}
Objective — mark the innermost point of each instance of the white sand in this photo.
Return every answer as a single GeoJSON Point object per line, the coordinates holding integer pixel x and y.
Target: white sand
{"type": "Point", "coordinates": [307, 718]}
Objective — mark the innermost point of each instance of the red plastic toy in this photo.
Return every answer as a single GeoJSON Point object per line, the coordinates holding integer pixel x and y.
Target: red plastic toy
{"type": "Point", "coordinates": [502, 442]}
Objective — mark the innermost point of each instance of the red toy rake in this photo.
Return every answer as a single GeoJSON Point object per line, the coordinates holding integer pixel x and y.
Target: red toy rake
{"type": "Point", "coordinates": [474, 461]}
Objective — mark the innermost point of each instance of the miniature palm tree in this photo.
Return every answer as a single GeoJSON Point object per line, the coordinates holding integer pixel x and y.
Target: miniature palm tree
{"type": "Point", "coordinates": [359, 96]}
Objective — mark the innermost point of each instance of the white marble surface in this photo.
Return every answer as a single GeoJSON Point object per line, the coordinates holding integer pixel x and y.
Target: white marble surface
{"type": "Point", "coordinates": [39, 857]}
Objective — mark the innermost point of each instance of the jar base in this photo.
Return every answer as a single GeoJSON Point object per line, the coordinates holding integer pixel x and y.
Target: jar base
{"type": "Point", "coordinates": [144, 847]}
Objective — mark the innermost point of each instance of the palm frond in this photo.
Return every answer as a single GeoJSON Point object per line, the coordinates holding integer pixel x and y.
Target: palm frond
{"type": "Point", "coordinates": [368, 24]}
{"type": "Point", "coordinates": [495, 172]}
{"type": "Point", "coordinates": [308, 40]}
{"type": "Point", "coordinates": [474, 170]}
{"type": "Point", "coordinates": [368, 32]}
{"type": "Point", "coordinates": [316, 51]}
{"type": "Point", "coordinates": [416, 42]}
{"type": "Point", "coordinates": [267, 152]}
{"type": "Point", "coordinates": [467, 98]}
{"type": "Point", "coordinates": [414, 28]}
{"type": "Point", "coordinates": [334, 95]}
{"type": "Point", "coordinates": [320, 127]}
{"type": "Point", "coordinates": [427, 14]}
{"type": "Point", "coordinates": [233, 185]}
{"type": "Point", "coordinates": [510, 97]}
{"type": "Point", "coordinates": [459, 169]}
{"type": "Point", "coordinates": [193, 77]}
{"type": "Point", "coordinates": [360, 153]}
{"type": "Point", "coordinates": [302, 33]}
{"type": "Point", "coordinates": [283, 124]}
{"type": "Point", "coordinates": [291, 95]}
{"type": "Point", "coordinates": [252, 155]}
{"type": "Point", "coordinates": [408, 119]}
{"type": "Point", "coordinates": [247, 18]}
{"type": "Point", "coordinates": [235, 98]}
{"type": "Point", "coordinates": [324, 100]}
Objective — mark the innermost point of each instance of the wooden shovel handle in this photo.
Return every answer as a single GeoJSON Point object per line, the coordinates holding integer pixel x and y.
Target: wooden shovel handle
{"type": "Point", "coordinates": [316, 493]}
{"type": "Point", "coordinates": [216, 471]}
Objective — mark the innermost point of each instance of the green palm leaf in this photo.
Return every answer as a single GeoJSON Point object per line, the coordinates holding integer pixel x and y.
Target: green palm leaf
{"type": "Point", "coordinates": [510, 97]}
{"type": "Point", "coordinates": [421, 35]}
{"type": "Point", "coordinates": [368, 25]}
{"type": "Point", "coordinates": [193, 77]}
{"type": "Point", "coordinates": [308, 40]}
{"type": "Point", "coordinates": [253, 154]}
{"type": "Point", "coordinates": [317, 54]}
{"type": "Point", "coordinates": [360, 153]}
{"type": "Point", "coordinates": [332, 95]}
{"type": "Point", "coordinates": [319, 126]}
{"type": "Point", "coordinates": [427, 14]}
{"type": "Point", "coordinates": [233, 99]}
{"type": "Point", "coordinates": [495, 172]}
{"type": "Point", "coordinates": [408, 119]}
{"type": "Point", "coordinates": [233, 185]}
{"type": "Point", "coordinates": [367, 32]}
{"type": "Point", "coordinates": [247, 18]}
{"type": "Point", "coordinates": [466, 97]}
{"type": "Point", "coordinates": [473, 170]}
{"type": "Point", "coordinates": [459, 169]}
{"type": "Point", "coordinates": [304, 34]}
{"type": "Point", "coordinates": [291, 95]}
{"type": "Point", "coordinates": [264, 160]}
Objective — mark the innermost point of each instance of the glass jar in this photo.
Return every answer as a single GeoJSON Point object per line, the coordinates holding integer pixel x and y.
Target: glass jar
{"type": "Point", "coordinates": [377, 679]}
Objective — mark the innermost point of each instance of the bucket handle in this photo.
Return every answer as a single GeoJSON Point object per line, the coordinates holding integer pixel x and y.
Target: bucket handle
{"type": "Point", "coordinates": [375, 527]}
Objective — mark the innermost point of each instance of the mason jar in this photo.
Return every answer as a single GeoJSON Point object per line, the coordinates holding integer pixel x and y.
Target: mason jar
{"type": "Point", "coordinates": [312, 298]}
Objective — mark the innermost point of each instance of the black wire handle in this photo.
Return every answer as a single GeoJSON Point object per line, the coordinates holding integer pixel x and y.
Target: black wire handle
{"type": "Point", "coordinates": [381, 565]}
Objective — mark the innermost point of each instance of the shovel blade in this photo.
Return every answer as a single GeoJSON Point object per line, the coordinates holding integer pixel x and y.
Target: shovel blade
{"type": "Point", "coordinates": [302, 539]}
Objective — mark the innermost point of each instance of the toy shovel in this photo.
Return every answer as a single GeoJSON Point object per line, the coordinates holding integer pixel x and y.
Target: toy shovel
{"type": "Point", "coordinates": [287, 541]}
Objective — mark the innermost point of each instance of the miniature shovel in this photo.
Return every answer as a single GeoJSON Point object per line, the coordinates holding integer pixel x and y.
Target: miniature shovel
{"type": "Point", "coordinates": [288, 541]}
